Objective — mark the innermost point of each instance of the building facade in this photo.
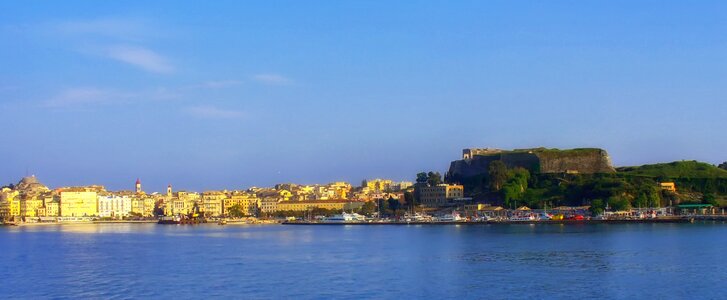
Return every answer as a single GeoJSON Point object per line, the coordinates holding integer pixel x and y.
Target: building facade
{"type": "Point", "coordinates": [440, 195]}
{"type": "Point", "coordinates": [78, 204]}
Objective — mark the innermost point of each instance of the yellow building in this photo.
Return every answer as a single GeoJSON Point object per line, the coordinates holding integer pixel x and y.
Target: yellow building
{"type": "Point", "coordinates": [78, 204]}
{"type": "Point", "coordinates": [52, 206]}
{"type": "Point", "coordinates": [8, 206]}
{"type": "Point", "coordinates": [29, 207]}
{"type": "Point", "coordinates": [440, 195]}
{"type": "Point", "coordinates": [668, 186]}
{"type": "Point", "coordinates": [379, 185]}
{"type": "Point", "coordinates": [248, 203]}
{"type": "Point", "coordinates": [183, 204]}
{"type": "Point", "coordinates": [340, 189]}
{"type": "Point", "coordinates": [143, 206]}
{"type": "Point", "coordinates": [212, 203]}
{"type": "Point", "coordinates": [285, 194]}
{"type": "Point", "coordinates": [308, 205]}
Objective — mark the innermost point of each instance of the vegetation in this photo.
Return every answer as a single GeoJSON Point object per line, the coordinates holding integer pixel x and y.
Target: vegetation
{"type": "Point", "coordinates": [368, 208]}
{"type": "Point", "coordinates": [628, 187]}
{"type": "Point", "coordinates": [236, 211]}
{"type": "Point", "coordinates": [393, 204]}
{"type": "Point", "coordinates": [431, 178]}
{"type": "Point", "coordinates": [497, 172]}
{"type": "Point", "coordinates": [677, 169]}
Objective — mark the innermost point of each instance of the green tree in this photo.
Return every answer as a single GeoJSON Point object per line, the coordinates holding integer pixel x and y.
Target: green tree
{"type": "Point", "coordinates": [515, 186]}
{"type": "Point", "coordinates": [394, 204]}
{"type": "Point", "coordinates": [364, 183]}
{"type": "Point", "coordinates": [235, 211]}
{"type": "Point", "coordinates": [619, 203]}
{"type": "Point", "coordinates": [409, 199]}
{"type": "Point", "coordinates": [434, 178]}
{"type": "Point", "coordinates": [710, 199]}
{"type": "Point", "coordinates": [422, 177]}
{"type": "Point", "coordinates": [497, 172]}
{"type": "Point", "coordinates": [368, 208]}
{"type": "Point", "coordinates": [597, 207]}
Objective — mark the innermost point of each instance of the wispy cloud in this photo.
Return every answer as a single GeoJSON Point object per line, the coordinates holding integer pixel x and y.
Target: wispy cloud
{"type": "Point", "coordinates": [122, 39]}
{"type": "Point", "coordinates": [211, 112]}
{"type": "Point", "coordinates": [140, 57]}
{"type": "Point", "coordinates": [83, 96]}
{"type": "Point", "coordinates": [272, 79]}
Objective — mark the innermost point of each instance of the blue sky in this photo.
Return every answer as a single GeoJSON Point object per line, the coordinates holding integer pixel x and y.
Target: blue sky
{"type": "Point", "coordinates": [234, 94]}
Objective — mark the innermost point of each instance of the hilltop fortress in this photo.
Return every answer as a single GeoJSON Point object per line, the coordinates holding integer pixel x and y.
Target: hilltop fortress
{"type": "Point", "coordinates": [476, 161]}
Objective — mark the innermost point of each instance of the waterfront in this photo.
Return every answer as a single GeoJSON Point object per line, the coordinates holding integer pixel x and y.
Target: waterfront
{"type": "Point", "coordinates": [418, 261]}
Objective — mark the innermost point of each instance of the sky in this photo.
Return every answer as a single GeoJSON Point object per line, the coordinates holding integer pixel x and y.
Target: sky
{"type": "Point", "coordinates": [233, 94]}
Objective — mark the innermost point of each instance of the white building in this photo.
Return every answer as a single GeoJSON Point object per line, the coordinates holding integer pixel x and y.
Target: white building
{"type": "Point", "coordinates": [114, 206]}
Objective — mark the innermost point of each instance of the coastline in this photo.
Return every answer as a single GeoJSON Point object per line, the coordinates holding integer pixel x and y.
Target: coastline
{"type": "Point", "coordinates": [551, 222]}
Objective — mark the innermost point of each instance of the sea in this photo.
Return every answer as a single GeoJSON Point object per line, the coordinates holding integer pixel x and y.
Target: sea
{"type": "Point", "coordinates": [497, 261]}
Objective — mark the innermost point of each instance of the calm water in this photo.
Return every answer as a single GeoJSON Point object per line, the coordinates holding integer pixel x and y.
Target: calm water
{"type": "Point", "coordinates": [277, 261]}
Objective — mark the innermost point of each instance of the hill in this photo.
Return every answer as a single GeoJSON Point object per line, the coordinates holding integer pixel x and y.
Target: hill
{"type": "Point", "coordinates": [677, 169]}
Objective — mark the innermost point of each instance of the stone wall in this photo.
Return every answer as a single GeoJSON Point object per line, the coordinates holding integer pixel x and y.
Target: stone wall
{"type": "Point", "coordinates": [540, 160]}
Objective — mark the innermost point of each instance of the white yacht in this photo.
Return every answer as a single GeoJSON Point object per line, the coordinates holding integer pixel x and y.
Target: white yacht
{"type": "Point", "coordinates": [453, 217]}
{"type": "Point", "coordinates": [346, 218]}
{"type": "Point", "coordinates": [417, 217]}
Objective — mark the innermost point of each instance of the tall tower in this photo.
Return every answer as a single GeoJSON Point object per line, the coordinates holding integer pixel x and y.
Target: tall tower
{"type": "Point", "coordinates": [138, 186]}
{"type": "Point", "coordinates": [169, 190]}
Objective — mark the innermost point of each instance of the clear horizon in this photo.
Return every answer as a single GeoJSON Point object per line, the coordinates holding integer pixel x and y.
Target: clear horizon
{"type": "Point", "coordinates": [232, 95]}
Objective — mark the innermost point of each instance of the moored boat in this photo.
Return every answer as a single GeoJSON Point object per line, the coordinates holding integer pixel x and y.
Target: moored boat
{"type": "Point", "coordinates": [345, 218]}
{"type": "Point", "coordinates": [170, 220]}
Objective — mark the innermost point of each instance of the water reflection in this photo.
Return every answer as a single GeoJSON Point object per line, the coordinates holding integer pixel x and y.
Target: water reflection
{"type": "Point", "coordinates": [492, 261]}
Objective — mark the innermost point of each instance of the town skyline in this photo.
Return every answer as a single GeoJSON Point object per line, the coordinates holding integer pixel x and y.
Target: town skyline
{"type": "Point", "coordinates": [256, 93]}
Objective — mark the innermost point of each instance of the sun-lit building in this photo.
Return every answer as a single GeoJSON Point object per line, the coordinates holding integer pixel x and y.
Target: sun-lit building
{"type": "Point", "coordinates": [114, 206]}
{"type": "Point", "coordinates": [76, 203]}
{"type": "Point", "coordinates": [440, 195]}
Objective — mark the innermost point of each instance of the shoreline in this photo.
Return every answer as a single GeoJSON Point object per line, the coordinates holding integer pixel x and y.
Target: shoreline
{"type": "Point", "coordinates": [546, 222]}
{"type": "Point", "coordinates": [505, 222]}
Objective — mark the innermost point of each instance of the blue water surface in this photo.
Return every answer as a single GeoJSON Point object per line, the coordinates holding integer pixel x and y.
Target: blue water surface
{"type": "Point", "coordinates": [122, 261]}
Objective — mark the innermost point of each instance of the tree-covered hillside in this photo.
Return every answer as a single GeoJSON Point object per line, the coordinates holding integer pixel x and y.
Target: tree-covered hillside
{"type": "Point", "coordinates": [677, 169]}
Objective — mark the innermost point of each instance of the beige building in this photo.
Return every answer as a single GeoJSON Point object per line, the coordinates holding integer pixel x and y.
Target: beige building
{"type": "Point", "coordinates": [212, 203]}
{"type": "Point", "coordinates": [247, 201]}
{"type": "Point", "coordinates": [52, 206]}
{"type": "Point", "coordinates": [269, 204]}
{"type": "Point", "coordinates": [440, 195]}
{"type": "Point", "coordinates": [143, 206]}
{"type": "Point", "coordinates": [78, 204]}
{"type": "Point", "coordinates": [308, 205]}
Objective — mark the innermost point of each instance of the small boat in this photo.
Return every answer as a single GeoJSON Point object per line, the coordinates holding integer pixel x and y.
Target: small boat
{"type": "Point", "coordinates": [170, 220]}
{"type": "Point", "coordinates": [345, 218]}
{"type": "Point", "coordinates": [453, 217]}
{"type": "Point", "coordinates": [417, 217]}
{"type": "Point", "coordinates": [522, 218]}
{"type": "Point", "coordinates": [576, 218]}
{"type": "Point", "coordinates": [222, 222]}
